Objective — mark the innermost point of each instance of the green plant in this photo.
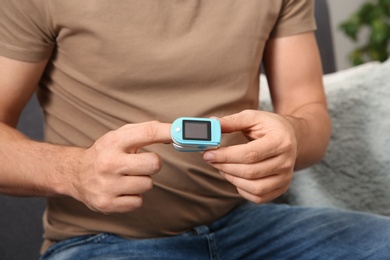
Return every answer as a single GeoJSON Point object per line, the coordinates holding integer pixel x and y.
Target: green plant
{"type": "Point", "coordinates": [373, 16]}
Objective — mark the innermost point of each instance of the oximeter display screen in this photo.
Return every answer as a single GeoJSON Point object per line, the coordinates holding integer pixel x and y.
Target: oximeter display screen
{"type": "Point", "coordinates": [196, 130]}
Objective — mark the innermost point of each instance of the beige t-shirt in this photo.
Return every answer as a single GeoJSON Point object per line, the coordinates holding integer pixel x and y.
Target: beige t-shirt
{"type": "Point", "coordinates": [118, 62]}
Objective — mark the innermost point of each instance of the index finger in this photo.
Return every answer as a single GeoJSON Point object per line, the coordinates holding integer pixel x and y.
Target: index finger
{"type": "Point", "coordinates": [144, 134]}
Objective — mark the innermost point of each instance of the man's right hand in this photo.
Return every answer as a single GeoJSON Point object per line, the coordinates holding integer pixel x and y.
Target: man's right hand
{"type": "Point", "coordinates": [108, 177]}
{"type": "Point", "coordinates": [111, 176]}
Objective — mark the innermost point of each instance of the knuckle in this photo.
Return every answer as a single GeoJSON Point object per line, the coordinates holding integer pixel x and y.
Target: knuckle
{"type": "Point", "coordinates": [101, 146]}
{"type": "Point", "coordinates": [150, 130]}
{"type": "Point", "coordinates": [103, 204]}
{"type": "Point", "coordinates": [252, 157]}
{"type": "Point", "coordinates": [136, 203]}
{"type": "Point", "coordinates": [148, 185]}
{"type": "Point", "coordinates": [110, 138]}
{"type": "Point", "coordinates": [287, 144]}
{"type": "Point", "coordinates": [258, 191]}
{"type": "Point", "coordinates": [288, 165]}
{"type": "Point", "coordinates": [155, 163]}
{"type": "Point", "coordinates": [249, 173]}
{"type": "Point", "coordinates": [104, 164]}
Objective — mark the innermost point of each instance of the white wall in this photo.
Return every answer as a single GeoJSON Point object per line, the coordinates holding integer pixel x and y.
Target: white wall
{"type": "Point", "coordinates": [339, 11]}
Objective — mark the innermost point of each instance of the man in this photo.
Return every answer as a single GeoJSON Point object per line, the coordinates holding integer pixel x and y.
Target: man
{"type": "Point", "coordinates": [111, 72]}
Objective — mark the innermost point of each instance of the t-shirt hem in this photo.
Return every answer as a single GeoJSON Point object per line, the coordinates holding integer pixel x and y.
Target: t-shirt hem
{"type": "Point", "coordinates": [296, 28]}
{"type": "Point", "coordinates": [22, 54]}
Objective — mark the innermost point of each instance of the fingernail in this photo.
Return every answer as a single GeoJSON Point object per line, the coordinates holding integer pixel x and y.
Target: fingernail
{"type": "Point", "coordinates": [208, 156]}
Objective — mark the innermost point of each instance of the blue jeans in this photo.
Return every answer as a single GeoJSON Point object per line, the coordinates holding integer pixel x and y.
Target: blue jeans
{"type": "Point", "coordinates": [270, 231]}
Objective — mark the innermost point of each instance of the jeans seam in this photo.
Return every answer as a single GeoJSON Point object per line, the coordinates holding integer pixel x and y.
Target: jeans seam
{"type": "Point", "coordinates": [212, 247]}
{"type": "Point", "coordinates": [89, 239]}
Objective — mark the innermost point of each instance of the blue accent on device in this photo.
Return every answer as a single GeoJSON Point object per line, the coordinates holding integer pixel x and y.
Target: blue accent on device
{"type": "Point", "coordinates": [193, 134]}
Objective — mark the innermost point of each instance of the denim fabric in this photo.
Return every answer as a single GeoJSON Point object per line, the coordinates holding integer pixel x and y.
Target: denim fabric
{"type": "Point", "coordinates": [270, 231]}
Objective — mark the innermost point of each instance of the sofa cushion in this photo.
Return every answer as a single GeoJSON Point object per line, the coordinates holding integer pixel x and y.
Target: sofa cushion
{"type": "Point", "coordinates": [355, 172]}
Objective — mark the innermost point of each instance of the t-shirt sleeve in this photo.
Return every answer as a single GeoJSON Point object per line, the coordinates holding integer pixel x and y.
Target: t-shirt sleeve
{"type": "Point", "coordinates": [25, 33]}
{"type": "Point", "coordinates": [296, 16]}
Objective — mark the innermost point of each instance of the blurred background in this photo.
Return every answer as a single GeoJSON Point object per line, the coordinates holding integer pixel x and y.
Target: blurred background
{"type": "Point", "coordinates": [362, 17]}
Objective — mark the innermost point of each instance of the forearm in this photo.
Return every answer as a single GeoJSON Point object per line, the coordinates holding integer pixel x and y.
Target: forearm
{"type": "Point", "coordinates": [30, 168]}
{"type": "Point", "coordinates": [294, 74]}
{"type": "Point", "coordinates": [108, 177]}
{"type": "Point", "coordinates": [312, 127]}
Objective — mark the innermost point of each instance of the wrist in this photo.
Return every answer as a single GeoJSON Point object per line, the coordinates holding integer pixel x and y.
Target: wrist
{"type": "Point", "coordinates": [299, 130]}
{"type": "Point", "coordinates": [56, 169]}
{"type": "Point", "coordinates": [67, 171]}
{"type": "Point", "coordinates": [312, 130]}
{"type": "Point", "coordinates": [299, 127]}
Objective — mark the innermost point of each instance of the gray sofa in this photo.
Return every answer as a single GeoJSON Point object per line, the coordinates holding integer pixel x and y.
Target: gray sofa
{"type": "Point", "coordinates": [20, 218]}
{"type": "Point", "coordinates": [355, 172]}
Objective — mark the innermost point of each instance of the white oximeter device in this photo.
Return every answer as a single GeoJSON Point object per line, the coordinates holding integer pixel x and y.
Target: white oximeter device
{"type": "Point", "coordinates": [193, 134]}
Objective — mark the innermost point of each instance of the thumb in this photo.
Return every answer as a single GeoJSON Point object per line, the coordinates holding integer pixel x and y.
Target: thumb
{"type": "Point", "coordinates": [241, 121]}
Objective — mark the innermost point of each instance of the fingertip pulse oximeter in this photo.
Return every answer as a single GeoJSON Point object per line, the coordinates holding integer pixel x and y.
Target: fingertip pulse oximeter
{"type": "Point", "coordinates": [192, 134]}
